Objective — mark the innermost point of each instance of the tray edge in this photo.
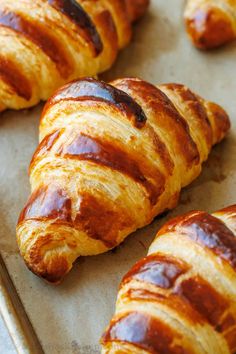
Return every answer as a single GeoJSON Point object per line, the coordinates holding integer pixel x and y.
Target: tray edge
{"type": "Point", "coordinates": [15, 316]}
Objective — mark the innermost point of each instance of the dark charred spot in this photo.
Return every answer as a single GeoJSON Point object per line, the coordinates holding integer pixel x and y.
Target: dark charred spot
{"type": "Point", "coordinates": [90, 89]}
{"type": "Point", "coordinates": [75, 12]}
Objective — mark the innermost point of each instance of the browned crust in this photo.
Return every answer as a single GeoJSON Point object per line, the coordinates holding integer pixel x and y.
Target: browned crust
{"type": "Point", "coordinates": [52, 271]}
{"type": "Point", "coordinates": [195, 299]}
{"type": "Point", "coordinates": [47, 202]}
{"type": "Point", "coordinates": [192, 297]}
{"type": "Point", "coordinates": [192, 101]}
{"type": "Point", "coordinates": [161, 150]}
{"type": "Point", "coordinates": [165, 113]}
{"type": "Point", "coordinates": [119, 13]}
{"type": "Point", "coordinates": [98, 216]}
{"type": "Point", "coordinates": [207, 231]}
{"type": "Point", "coordinates": [173, 301]}
{"type": "Point", "coordinates": [135, 89]}
{"type": "Point", "coordinates": [206, 301]}
{"type": "Point", "coordinates": [84, 147]}
{"type": "Point", "coordinates": [39, 35]}
{"type": "Point", "coordinates": [14, 78]}
{"type": "Point", "coordinates": [107, 29]}
{"type": "Point", "coordinates": [96, 24]}
{"type": "Point", "coordinates": [101, 219]}
{"type": "Point", "coordinates": [75, 12]}
{"type": "Point", "coordinates": [210, 29]}
{"type": "Point", "coordinates": [222, 122]}
{"type": "Point", "coordinates": [160, 270]}
{"type": "Point", "coordinates": [91, 89]}
{"type": "Point", "coordinates": [88, 148]}
{"type": "Point", "coordinates": [145, 332]}
{"type": "Point", "coordinates": [45, 146]}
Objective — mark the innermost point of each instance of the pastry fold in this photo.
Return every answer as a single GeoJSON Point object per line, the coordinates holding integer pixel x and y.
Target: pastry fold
{"type": "Point", "coordinates": [181, 297]}
{"type": "Point", "coordinates": [111, 157]}
{"type": "Point", "coordinates": [48, 43]}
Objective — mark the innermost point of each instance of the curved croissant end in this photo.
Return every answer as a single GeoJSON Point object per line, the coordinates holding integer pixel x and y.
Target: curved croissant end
{"type": "Point", "coordinates": [210, 23]}
{"type": "Point", "coordinates": [136, 8]}
{"type": "Point", "coordinates": [47, 43]}
{"type": "Point", "coordinates": [181, 297]}
{"type": "Point", "coordinates": [111, 157]}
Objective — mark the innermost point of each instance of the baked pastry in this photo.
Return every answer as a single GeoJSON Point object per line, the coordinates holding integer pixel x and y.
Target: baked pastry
{"type": "Point", "coordinates": [47, 43]}
{"type": "Point", "coordinates": [111, 158]}
{"type": "Point", "coordinates": [211, 23]}
{"type": "Point", "coordinates": [181, 297]}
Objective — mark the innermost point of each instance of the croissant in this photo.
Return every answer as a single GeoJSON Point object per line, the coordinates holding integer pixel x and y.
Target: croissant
{"type": "Point", "coordinates": [181, 297]}
{"type": "Point", "coordinates": [210, 23]}
{"type": "Point", "coordinates": [47, 43]}
{"type": "Point", "coordinates": [111, 158]}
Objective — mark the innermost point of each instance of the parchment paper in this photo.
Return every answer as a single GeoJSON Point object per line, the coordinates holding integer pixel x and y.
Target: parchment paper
{"type": "Point", "coordinates": [71, 317]}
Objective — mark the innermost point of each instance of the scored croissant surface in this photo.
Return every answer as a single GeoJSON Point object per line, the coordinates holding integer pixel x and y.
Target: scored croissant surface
{"type": "Point", "coordinates": [211, 23]}
{"type": "Point", "coordinates": [181, 298]}
{"type": "Point", "coordinates": [111, 158]}
{"type": "Point", "coordinates": [47, 43]}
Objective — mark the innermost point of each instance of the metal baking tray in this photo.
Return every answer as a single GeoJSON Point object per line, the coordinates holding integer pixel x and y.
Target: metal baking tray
{"type": "Point", "coordinates": [70, 318]}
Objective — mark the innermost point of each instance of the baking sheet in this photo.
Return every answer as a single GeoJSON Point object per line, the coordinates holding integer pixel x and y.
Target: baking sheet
{"type": "Point", "coordinates": [71, 317]}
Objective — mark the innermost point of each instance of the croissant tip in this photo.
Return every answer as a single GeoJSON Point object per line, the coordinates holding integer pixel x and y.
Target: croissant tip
{"type": "Point", "coordinates": [222, 121]}
{"type": "Point", "coordinates": [50, 278]}
{"type": "Point", "coordinates": [52, 272]}
{"type": "Point", "coordinates": [209, 29]}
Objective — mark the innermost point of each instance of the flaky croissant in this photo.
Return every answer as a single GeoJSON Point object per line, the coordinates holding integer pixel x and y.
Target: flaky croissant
{"type": "Point", "coordinates": [181, 297]}
{"type": "Point", "coordinates": [111, 158]}
{"type": "Point", "coordinates": [47, 43]}
{"type": "Point", "coordinates": [211, 23]}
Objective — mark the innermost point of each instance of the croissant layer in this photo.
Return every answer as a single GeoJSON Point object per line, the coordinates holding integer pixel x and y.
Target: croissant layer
{"type": "Point", "coordinates": [47, 43]}
{"type": "Point", "coordinates": [111, 157]}
{"type": "Point", "coordinates": [181, 297]}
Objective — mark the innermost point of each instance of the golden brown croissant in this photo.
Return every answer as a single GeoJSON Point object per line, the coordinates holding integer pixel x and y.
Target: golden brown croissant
{"type": "Point", "coordinates": [111, 158]}
{"type": "Point", "coordinates": [47, 43]}
{"type": "Point", "coordinates": [211, 23]}
{"type": "Point", "coordinates": [181, 297]}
